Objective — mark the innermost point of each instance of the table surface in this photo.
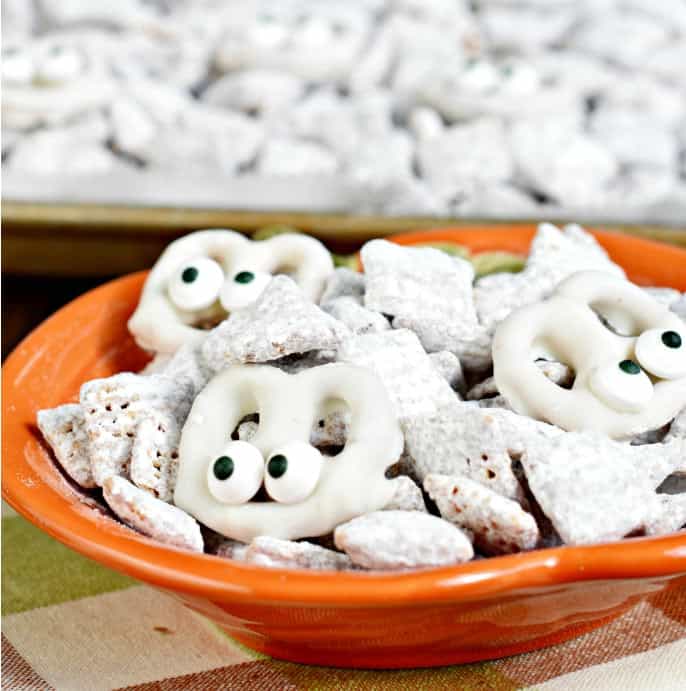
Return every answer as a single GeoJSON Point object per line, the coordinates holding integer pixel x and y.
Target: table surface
{"type": "Point", "coordinates": [70, 624]}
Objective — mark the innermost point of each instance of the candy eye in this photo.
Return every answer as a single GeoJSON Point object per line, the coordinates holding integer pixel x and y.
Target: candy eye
{"type": "Point", "coordinates": [663, 352]}
{"type": "Point", "coordinates": [235, 476]}
{"type": "Point", "coordinates": [519, 79]}
{"type": "Point", "coordinates": [623, 386]}
{"type": "Point", "coordinates": [243, 288]}
{"type": "Point", "coordinates": [292, 472]}
{"type": "Point", "coordinates": [195, 285]}
{"type": "Point", "coordinates": [17, 67]}
{"type": "Point", "coordinates": [60, 65]}
{"type": "Point", "coordinates": [479, 75]}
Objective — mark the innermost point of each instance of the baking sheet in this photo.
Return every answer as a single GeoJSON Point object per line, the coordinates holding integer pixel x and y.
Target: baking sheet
{"type": "Point", "coordinates": [254, 193]}
{"type": "Point", "coordinates": [62, 239]}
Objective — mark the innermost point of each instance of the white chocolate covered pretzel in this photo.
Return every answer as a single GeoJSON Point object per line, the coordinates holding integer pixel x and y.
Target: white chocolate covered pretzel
{"type": "Point", "coordinates": [312, 493]}
{"type": "Point", "coordinates": [51, 79]}
{"type": "Point", "coordinates": [205, 275]}
{"type": "Point", "coordinates": [627, 350]}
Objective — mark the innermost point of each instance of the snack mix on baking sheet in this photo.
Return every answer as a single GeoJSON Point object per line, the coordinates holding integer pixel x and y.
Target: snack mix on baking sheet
{"type": "Point", "coordinates": [439, 107]}
{"type": "Point", "coordinates": [296, 415]}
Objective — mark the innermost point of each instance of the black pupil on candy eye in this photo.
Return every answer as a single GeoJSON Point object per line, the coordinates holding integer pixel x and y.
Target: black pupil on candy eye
{"type": "Point", "coordinates": [189, 274]}
{"type": "Point", "coordinates": [223, 468]}
{"type": "Point", "coordinates": [629, 366]}
{"type": "Point", "coordinates": [244, 277]}
{"type": "Point", "coordinates": [671, 339]}
{"type": "Point", "coordinates": [277, 465]}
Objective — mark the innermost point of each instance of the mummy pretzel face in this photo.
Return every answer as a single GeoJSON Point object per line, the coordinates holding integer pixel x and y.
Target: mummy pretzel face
{"type": "Point", "coordinates": [50, 79]}
{"type": "Point", "coordinates": [309, 494]}
{"type": "Point", "coordinates": [628, 352]}
{"type": "Point", "coordinates": [285, 35]}
{"type": "Point", "coordinates": [44, 65]}
{"type": "Point", "coordinates": [200, 278]}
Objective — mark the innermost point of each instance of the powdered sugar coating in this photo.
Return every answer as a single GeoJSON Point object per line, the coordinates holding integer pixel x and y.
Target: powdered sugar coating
{"type": "Point", "coordinates": [357, 318]}
{"type": "Point", "coordinates": [594, 489]}
{"type": "Point", "coordinates": [394, 540]}
{"type": "Point", "coordinates": [499, 525]}
{"type": "Point", "coordinates": [429, 292]}
{"type": "Point", "coordinates": [448, 364]}
{"type": "Point", "coordinates": [286, 554]}
{"type": "Point", "coordinates": [114, 407]}
{"type": "Point", "coordinates": [150, 516]}
{"type": "Point", "coordinates": [463, 439]}
{"type": "Point", "coordinates": [343, 282]}
{"type": "Point", "coordinates": [398, 359]}
{"type": "Point", "coordinates": [407, 497]}
{"type": "Point", "coordinates": [281, 322]}
{"type": "Point", "coordinates": [64, 428]}
{"type": "Point", "coordinates": [155, 454]}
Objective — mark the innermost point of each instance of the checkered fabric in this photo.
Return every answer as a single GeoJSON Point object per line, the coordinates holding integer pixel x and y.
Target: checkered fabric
{"type": "Point", "coordinates": [70, 624]}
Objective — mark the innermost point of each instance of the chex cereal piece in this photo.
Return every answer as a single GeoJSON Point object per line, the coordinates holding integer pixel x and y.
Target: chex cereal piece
{"type": "Point", "coordinates": [669, 517]}
{"type": "Point", "coordinates": [157, 364]}
{"type": "Point", "coordinates": [463, 439]}
{"type": "Point", "coordinates": [188, 362]}
{"type": "Point", "coordinates": [450, 368]}
{"type": "Point", "coordinates": [557, 372]}
{"type": "Point", "coordinates": [389, 540]}
{"type": "Point", "coordinates": [64, 428]}
{"type": "Point", "coordinates": [155, 454]}
{"type": "Point", "coordinates": [113, 409]}
{"type": "Point", "coordinates": [150, 516]}
{"type": "Point", "coordinates": [594, 489]}
{"type": "Point", "coordinates": [499, 525]}
{"type": "Point", "coordinates": [398, 359]}
{"type": "Point", "coordinates": [343, 283]}
{"type": "Point", "coordinates": [427, 291]}
{"type": "Point", "coordinates": [554, 256]}
{"type": "Point", "coordinates": [282, 321]}
{"type": "Point", "coordinates": [286, 554]}
{"type": "Point", "coordinates": [357, 318]}
{"type": "Point", "coordinates": [679, 307]}
{"type": "Point", "coordinates": [227, 548]}
{"type": "Point", "coordinates": [665, 296]}
{"type": "Point", "coordinates": [407, 497]}
{"type": "Point", "coordinates": [247, 430]}
{"type": "Point", "coordinates": [331, 429]}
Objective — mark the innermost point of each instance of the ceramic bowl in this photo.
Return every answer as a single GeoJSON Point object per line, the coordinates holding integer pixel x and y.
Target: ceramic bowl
{"type": "Point", "coordinates": [484, 609]}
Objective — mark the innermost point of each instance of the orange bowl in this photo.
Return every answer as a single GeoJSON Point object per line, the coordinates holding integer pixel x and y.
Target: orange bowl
{"type": "Point", "coordinates": [484, 609]}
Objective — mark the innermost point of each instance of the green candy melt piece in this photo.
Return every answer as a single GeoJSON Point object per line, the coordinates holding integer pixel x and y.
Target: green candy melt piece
{"type": "Point", "coordinates": [497, 262]}
{"type": "Point", "coordinates": [347, 261]}
{"type": "Point", "coordinates": [270, 231]}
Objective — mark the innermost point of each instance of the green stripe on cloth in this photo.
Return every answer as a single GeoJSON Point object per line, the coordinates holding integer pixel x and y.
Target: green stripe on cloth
{"type": "Point", "coordinates": [38, 571]}
{"type": "Point", "coordinates": [475, 677]}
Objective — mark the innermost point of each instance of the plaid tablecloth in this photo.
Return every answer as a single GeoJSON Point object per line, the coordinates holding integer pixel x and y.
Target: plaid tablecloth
{"type": "Point", "coordinates": [72, 625]}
